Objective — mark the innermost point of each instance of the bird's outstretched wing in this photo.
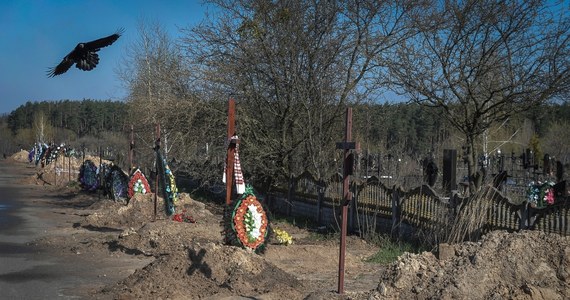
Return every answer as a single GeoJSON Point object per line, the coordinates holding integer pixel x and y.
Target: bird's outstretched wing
{"type": "Point", "coordinates": [104, 42]}
{"type": "Point", "coordinates": [63, 66]}
{"type": "Point", "coordinates": [84, 55]}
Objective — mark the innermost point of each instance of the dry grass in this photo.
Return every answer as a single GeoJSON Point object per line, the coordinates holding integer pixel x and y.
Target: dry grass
{"type": "Point", "coordinates": [473, 215]}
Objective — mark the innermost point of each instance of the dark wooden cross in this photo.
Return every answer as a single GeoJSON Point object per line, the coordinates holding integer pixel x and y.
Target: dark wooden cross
{"type": "Point", "coordinates": [348, 163]}
{"type": "Point", "coordinates": [131, 148]}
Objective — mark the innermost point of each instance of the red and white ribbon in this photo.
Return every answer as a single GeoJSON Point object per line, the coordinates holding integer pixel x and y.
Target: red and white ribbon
{"type": "Point", "coordinates": [238, 175]}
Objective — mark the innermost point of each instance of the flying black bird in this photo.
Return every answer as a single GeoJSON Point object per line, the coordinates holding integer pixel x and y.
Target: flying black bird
{"type": "Point", "coordinates": [84, 56]}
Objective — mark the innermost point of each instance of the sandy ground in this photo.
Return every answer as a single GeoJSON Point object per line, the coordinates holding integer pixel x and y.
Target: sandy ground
{"type": "Point", "coordinates": [72, 244]}
{"type": "Point", "coordinates": [86, 246]}
{"type": "Point", "coordinates": [29, 270]}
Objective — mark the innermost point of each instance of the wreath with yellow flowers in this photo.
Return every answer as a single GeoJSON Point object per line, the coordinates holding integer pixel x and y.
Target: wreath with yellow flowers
{"type": "Point", "coordinates": [246, 223]}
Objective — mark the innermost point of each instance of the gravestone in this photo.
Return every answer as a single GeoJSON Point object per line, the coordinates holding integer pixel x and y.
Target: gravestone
{"type": "Point", "coordinates": [546, 165]}
{"type": "Point", "coordinates": [559, 171]}
{"type": "Point", "coordinates": [450, 170]}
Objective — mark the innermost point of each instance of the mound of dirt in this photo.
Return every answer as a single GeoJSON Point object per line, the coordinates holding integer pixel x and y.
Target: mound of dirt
{"type": "Point", "coordinates": [59, 172]}
{"type": "Point", "coordinates": [140, 210]}
{"type": "Point", "coordinates": [21, 156]}
{"type": "Point", "coordinates": [523, 265]}
{"type": "Point", "coordinates": [192, 261]}
{"type": "Point", "coordinates": [208, 270]}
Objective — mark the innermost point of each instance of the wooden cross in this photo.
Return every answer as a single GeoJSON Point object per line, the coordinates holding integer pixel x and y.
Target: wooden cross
{"type": "Point", "coordinates": [157, 148]}
{"type": "Point", "coordinates": [131, 148]}
{"type": "Point", "coordinates": [230, 155]}
{"type": "Point", "coordinates": [348, 163]}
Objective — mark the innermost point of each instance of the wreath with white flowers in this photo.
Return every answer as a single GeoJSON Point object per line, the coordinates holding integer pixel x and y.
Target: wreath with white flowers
{"type": "Point", "coordinates": [246, 223]}
{"type": "Point", "coordinates": [138, 183]}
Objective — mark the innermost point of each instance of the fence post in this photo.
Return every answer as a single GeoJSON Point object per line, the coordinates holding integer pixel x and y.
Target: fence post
{"type": "Point", "coordinates": [453, 202]}
{"type": "Point", "coordinates": [290, 195]}
{"type": "Point", "coordinates": [320, 198]}
{"type": "Point", "coordinates": [395, 211]}
{"type": "Point", "coordinates": [523, 224]}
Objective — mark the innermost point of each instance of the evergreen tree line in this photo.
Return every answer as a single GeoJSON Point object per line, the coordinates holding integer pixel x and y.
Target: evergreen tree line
{"type": "Point", "coordinates": [87, 117]}
{"type": "Point", "coordinates": [405, 129]}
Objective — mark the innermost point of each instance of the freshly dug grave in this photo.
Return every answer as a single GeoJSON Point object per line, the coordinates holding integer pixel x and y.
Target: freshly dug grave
{"type": "Point", "coordinates": [522, 265]}
{"type": "Point", "coordinates": [192, 262]}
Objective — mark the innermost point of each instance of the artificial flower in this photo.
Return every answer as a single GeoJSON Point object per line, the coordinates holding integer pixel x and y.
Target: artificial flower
{"type": "Point", "coordinates": [283, 237]}
{"type": "Point", "coordinates": [138, 184]}
{"type": "Point", "coordinates": [540, 194]}
{"type": "Point", "coordinates": [250, 223]}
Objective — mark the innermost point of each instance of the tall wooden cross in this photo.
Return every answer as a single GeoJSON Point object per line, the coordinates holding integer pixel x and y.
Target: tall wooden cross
{"type": "Point", "coordinates": [347, 145]}
{"type": "Point", "coordinates": [230, 155]}
{"type": "Point", "coordinates": [131, 148]}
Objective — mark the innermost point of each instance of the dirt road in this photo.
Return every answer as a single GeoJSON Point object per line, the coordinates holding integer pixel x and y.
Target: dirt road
{"type": "Point", "coordinates": [28, 271]}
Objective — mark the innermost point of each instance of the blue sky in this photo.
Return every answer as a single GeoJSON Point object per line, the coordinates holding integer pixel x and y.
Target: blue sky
{"type": "Point", "coordinates": [36, 35]}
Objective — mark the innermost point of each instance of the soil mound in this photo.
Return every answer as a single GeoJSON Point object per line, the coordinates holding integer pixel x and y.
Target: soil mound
{"type": "Point", "coordinates": [523, 265]}
{"type": "Point", "coordinates": [208, 270]}
{"type": "Point", "coordinates": [191, 260]}
{"type": "Point", "coordinates": [21, 156]}
{"type": "Point", "coordinates": [60, 172]}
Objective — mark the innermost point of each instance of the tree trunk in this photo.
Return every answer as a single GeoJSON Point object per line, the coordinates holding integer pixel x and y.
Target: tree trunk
{"type": "Point", "coordinates": [471, 163]}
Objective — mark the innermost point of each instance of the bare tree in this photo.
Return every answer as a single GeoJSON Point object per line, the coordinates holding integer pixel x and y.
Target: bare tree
{"type": "Point", "coordinates": [294, 66]}
{"type": "Point", "coordinates": [157, 78]}
{"type": "Point", "coordinates": [483, 61]}
{"type": "Point", "coordinates": [42, 129]}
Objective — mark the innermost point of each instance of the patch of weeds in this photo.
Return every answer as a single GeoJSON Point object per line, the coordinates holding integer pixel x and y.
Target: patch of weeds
{"type": "Point", "coordinates": [323, 237]}
{"type": "Point", "coordinates": [206, 197]}
{"type": "Point", "coordinates": [301, 222]}
{"type": "Point", "coordinates": [214, 203]}
{"type": "Point", "coordinates": [73, 184]}
{"type": "Point", "coordinates": [390, 250]}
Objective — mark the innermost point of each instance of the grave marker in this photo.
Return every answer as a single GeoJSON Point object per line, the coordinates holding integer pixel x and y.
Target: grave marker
{"type": "Point", "coordinates": [157, 148]}
{"type": "Point", "coordinates": [348, 163]}
{"type": "Point", "coordinates": [230, 155]}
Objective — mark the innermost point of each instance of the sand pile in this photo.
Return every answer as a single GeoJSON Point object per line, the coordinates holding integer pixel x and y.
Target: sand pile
{"type": "Point", "coordinates": [21, 156]}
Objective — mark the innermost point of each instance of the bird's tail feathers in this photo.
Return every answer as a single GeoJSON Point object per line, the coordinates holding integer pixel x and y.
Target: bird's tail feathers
{"type": "Point", "coordinates": [89, 62]}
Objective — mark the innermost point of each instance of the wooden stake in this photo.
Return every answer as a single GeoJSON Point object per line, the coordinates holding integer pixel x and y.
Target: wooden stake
{"type": "Point", "coordinates": [55, 171]}
{"type": "Point", "coordinates": [131, 149]}
{"type": "Point", "coordinates": [69, 167]}
{"type": "Point", "coordinates": [230, 151]}
{"type": "Point", "coordinates": [157, 148]}
{"type": "Point", "coordinates": [101, 177]}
